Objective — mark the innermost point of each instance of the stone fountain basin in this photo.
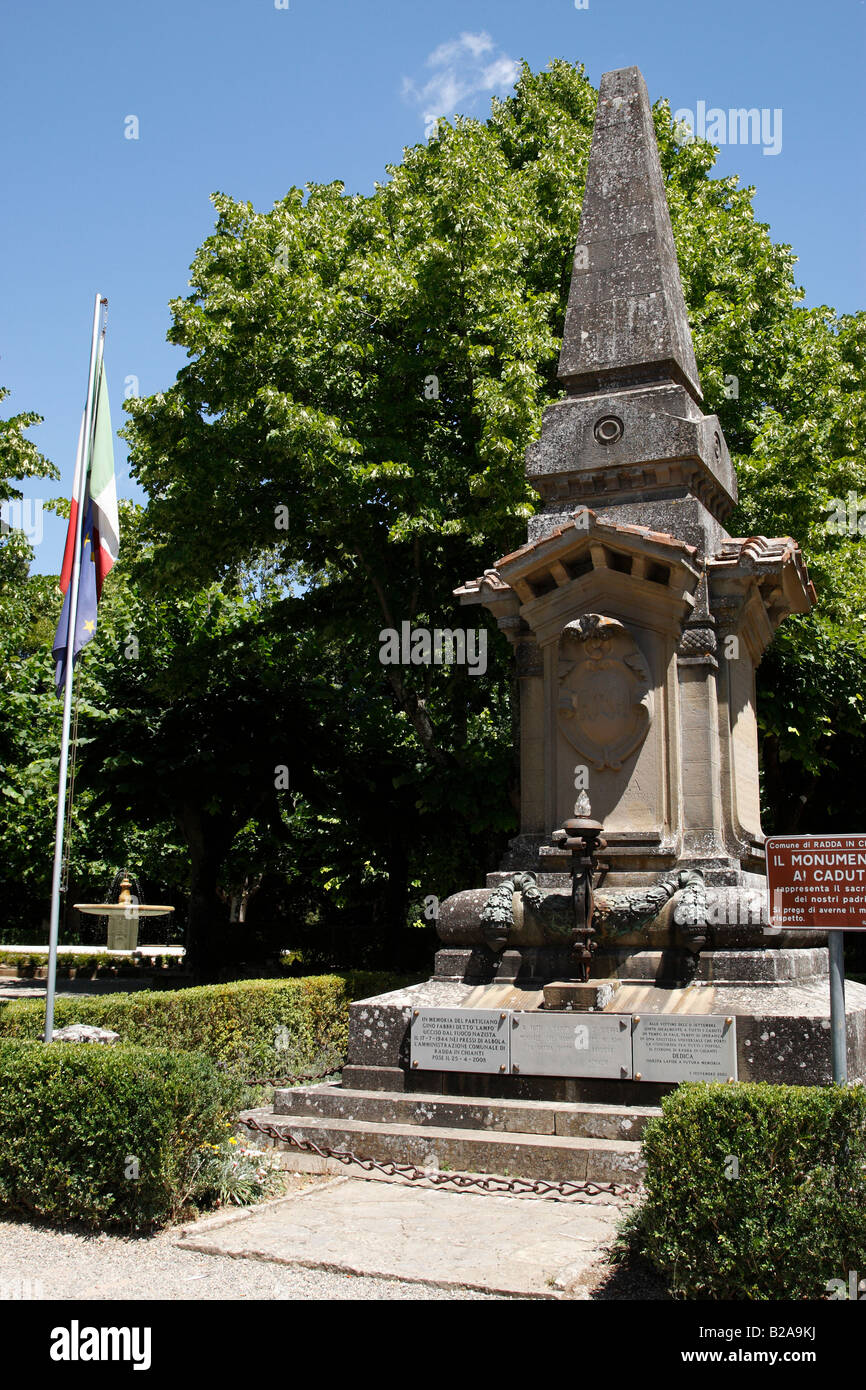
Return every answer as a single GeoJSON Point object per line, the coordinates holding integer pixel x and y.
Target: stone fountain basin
{"type": "Point", "coordinates": [127, 910]}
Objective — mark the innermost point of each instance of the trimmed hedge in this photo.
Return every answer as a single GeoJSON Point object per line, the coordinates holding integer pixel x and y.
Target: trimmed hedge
{"type": "Point", "coordinates": [106, 1135]}
{"type": "Point", "coordinates": [95, 965]}
{"type": "Point", "coordinates": [754, 1191]}
{"type": "Point", "coordinates": [253, 1027]}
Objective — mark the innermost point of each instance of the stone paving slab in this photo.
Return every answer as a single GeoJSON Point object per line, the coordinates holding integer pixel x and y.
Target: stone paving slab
{"type": "Point", "coordinates": [420, 1108]}
{"type": "Point", "coordinates": [497, 1244]}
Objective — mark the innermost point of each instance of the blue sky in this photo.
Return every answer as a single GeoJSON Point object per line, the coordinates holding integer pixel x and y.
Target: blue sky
{"type": "Point", "coordinates": [247, 98]}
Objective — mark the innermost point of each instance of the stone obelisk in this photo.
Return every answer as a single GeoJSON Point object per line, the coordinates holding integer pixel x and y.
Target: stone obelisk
{"type": "Point", "coordinates": [636, 482]}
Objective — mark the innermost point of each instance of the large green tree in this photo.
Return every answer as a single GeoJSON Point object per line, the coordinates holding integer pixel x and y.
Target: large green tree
{"type": "Point", "coordinates": [378, 364]}
{"type": "Point", "coordinates": [29, 723]}
{"type": "Point", "coordinates": [101, 836]}
{"type": "Point", "coordinates": [225, 713]}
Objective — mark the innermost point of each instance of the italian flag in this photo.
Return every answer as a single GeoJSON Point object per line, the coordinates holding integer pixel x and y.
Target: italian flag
{"type": "Point", "coordinates": [101, 491]}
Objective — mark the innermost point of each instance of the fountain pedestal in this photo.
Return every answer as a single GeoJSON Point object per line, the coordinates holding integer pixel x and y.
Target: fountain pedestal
{"type": "Point", "coordinates": [123, 916]}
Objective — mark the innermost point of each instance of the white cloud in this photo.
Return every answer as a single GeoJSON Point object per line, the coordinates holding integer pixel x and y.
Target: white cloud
{"type": "Point", "coordinates": [474, 44]}
{"type": "Point", "coordinates": [501, 73]}
{"type": "Point", "coordinates": [462, 71]}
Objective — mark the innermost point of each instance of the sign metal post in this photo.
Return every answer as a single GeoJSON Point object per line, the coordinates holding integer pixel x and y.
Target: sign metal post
{"type": "Point", "coordinates": [819, 882]}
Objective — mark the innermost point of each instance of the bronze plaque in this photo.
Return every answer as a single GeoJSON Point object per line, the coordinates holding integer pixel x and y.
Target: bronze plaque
{"type": "Point", "coordinates": [460, 1040]}
{"type": "Point", "coordinates": [685, 1047]}
{"type": "Point", "coordinates": [570, 1044]}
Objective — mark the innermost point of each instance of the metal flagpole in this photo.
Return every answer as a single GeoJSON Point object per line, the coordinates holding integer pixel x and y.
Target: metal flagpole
{"type": "Point", "coordinates": [87, 444]}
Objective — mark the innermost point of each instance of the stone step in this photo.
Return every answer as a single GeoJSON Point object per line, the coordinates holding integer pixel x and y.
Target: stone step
{"type": "Point", "coordinates": [556, 1158]}
{"type": "Point", "coordinates": [584, 1120]}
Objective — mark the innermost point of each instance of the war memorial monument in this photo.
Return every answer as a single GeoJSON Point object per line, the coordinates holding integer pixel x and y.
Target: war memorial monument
{"type": "Point", "coordinates": [624, 944]}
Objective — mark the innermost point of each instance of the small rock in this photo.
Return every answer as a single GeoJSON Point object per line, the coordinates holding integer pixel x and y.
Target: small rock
{"type": "Point", "coordinates": [85, 1033]}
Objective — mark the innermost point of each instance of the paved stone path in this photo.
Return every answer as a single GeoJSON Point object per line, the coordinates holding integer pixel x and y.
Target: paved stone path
{"type": "Point", "coordinates": [506, 1245]}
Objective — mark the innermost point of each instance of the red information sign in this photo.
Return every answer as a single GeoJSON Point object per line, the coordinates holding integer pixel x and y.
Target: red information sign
{"type": "Point", "coordinates": [817, 881]}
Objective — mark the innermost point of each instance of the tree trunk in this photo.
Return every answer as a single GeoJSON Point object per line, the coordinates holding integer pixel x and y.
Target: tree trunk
{"type": "Point", "coordinates": [396, 899]}
{"type": "Point", "coordinates": [206, 911]}
{"type": "Point", "coordinates": [788, 788]}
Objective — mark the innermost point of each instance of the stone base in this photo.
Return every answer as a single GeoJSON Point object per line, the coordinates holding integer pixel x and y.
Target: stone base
{"type": "Point", "coordinates": [675, 966]}
{"type": "Point", "coordinates": [560, 1127]}
{"type": "Point", "coordinates": [556, 1090]}
{"type": "Point", "coordinates": [587, 996]}
{"type": "Point", "coordinates": [781, 1001]}
{"type": "Point", "coordinates": [512, 1139]}
{"type": "Point", "coordinates": [733, 916]}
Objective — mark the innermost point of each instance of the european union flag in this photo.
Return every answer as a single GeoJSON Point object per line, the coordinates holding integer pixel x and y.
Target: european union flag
{"type": "Point", "coordinates": [85, 618]}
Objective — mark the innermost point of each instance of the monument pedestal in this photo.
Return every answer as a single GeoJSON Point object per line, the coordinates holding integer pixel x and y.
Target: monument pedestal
{"type": "Point", "coordinates": [562, 1127]}
{"type": "Point", "coordinates": [780, 1000]}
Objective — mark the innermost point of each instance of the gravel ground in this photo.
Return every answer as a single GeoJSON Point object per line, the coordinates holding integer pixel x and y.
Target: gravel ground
{"type": "Point", "coordinates": [45, 1262]}
{"type": "Point", "coordinates": [41, 1261]}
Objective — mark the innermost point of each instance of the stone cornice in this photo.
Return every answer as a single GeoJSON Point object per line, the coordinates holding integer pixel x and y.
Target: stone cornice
{"type": "Point", "coordinates": [775, 566]}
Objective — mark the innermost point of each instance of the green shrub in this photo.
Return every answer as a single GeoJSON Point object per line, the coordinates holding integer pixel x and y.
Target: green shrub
{"type": "Point", "coordinates": [231, 1175]}
{"type": "Point", "coordinates": [19, 958]}
{"type": "Point", "coordinates": [83, 964]}
{"type": "Point", "coordinates": [253, 1027]}
{"type": "Point", "coordinates": [108, 1136]}
{"type": "Point", "coordinates": [754, 1191]}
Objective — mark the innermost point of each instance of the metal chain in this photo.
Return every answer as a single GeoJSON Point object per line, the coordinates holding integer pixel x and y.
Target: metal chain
{"type": "Point", "coordinates": [535, 1187]}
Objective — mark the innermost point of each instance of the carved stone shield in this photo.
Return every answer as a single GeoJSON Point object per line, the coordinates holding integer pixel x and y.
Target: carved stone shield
{"type": "Point", "coordinates": [605, 691]}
